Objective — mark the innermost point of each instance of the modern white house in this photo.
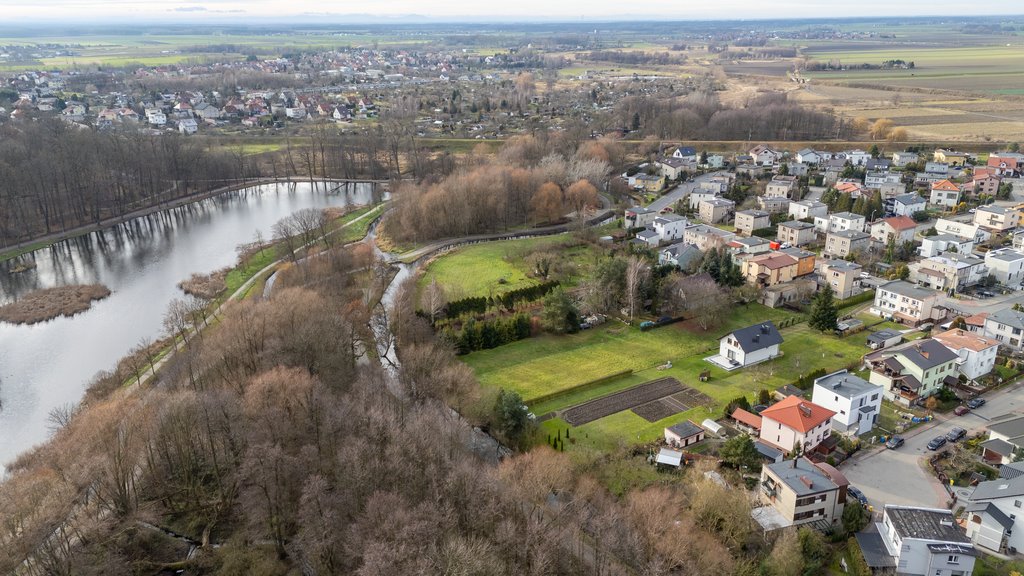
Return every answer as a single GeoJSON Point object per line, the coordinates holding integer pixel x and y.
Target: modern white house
{"type": "Point", "coordinates": [992, 512]}
{"type": "Point", "coordinates": [855, 401]}
{"type": "Point", "coordinates": [795, 423]}
{"type": "Point", "coordinates": [904, 158]}
{"type": "Point", "coordinates": [935, 245]}
{"type": "Point", "coordinates": [1007, 265]}
{"type": "Point", "coordinates": [948, 271]}
{"type": "Point", "coordinates": [906, 303]}
{"type": "Point", "coordinates": [804, 209]}
{"type": "Point", "coordinates": [1006, 326]}
{"type": "Point", "coordinates": [997, 218]}
{"type": "Point", "coordinates": [926, 542]}
{"type": "Point", "coordinates": [639, 217]}
{"type": "Point", "coordinates": [962, 229]}
{"type": "Point", "coordinates": [977, 353]}
{"type": "Point", "coordinates": [840, 222]}
{"type": "Point", "coordinates": [906, 204]}
{"type": "Point", "coordinates": [1005, 440]}
{"type": "Point", "coordinates": [670, 227]}
{"type": "Point", "coordinates": [750, 345]}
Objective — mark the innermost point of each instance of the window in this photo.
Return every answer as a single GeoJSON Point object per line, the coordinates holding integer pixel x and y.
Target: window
{"type": "Point", "coordinates": [1016, 503]}
{"type": "Point", "coordinates": [874, 396]}
{"type": "Point", "coordinates": [953, 559]}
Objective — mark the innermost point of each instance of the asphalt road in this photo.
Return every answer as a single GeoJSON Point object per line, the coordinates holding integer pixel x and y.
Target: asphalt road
{"type": "Point", "coordinates": [902, 476]}
{"type": "Point", "coordinates": [681, 191]}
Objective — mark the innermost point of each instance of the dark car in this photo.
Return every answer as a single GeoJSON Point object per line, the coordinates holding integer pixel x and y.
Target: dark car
{"type": "Point", "coordinates": [937, 442]}
{"type": "Point", "coordinates": [894, 442]}
{"type": "Point", "coordinates": [956, 433]}
{"type": "Point", "coordinates": [961, 410]}
{"type": "Point", "coordinates": [856, 493]}
{"type": "Point", "coordinates": [975, 403]}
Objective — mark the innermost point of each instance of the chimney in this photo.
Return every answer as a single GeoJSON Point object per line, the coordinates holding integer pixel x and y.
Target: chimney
{"type": "Point", "coordinates": [756, 338]}
{"type": "Point", "coordinates": [764, 328]}
{"type": "Point", "coordinates": [807, 481]}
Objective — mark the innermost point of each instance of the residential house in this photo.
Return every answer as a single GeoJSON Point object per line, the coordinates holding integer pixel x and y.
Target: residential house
{"type": "Point", "coordinates": [923, 542]}
{"type": "Point", "coordinates": [684, 434]}
{"type": "Point", "coordinates": [782, 187]}
{"type": "Point", "coordinates": [1007, 265]}
{"type": "Point", "coordinates": [205, 111]}
{"type": "Point", "coordinates": [805, 209]}
{"type": "Point", "coordinates": [749, 220]}
{"type": "Point", "coordinates": [751, 421]}
{"type": "Point", "coordinates": [950, 157]}
{"type": "Point", "coordinates": [842, 276]}
{"type": "Point", "coordinates": [892, 189]}
{"type": "Point", "coordinates": [672, 168]}
{"type": "Point", "coordinates": [840, 222]}
{"type": "Point", "coordinates": [905, 302]}
{"type": "Point", "coordinates": [1018, 240]}
{"type": "Point", "coordinates": [795, 423]}
{"type": "Point", "coordinates": [685, 153]}
{"type": "Point", "coordinates": [652, 183]}
{"type": "Point", "coordinates": [1005, 439]}
{"type": "Point", "coordinates": [670, 227]}
{"type": "Point", "coordinates": [996, 218]}
{"type": "Point", "coordinates": [705, 237]}
{"type": "Point", "coordinates": [842, 244]}
{"type": "Point", "coordinates": [715, 161]}
{"type": "Point", "coordinates": [808, 156]}
{"type": "Point", "coordinates": [805, 259]}
{"type": "Point", "coordinates": [681, 255]}
{"type": "Point", "coordinates": [751, 170]}
{"type": "Point", "coordinates": [856, 157]}
{"type": "Point", "coordinates": [935, 245]}
{"type": "Point", "coordinates": [156, 117]}
{"type": "Point", "coordinates": [802, 492]}
{"type": "Point", "coordinates": [898, 229]}
{"type": "Point", "coordinates": [875, 180]}
{"type": "Point", "coordinates": [699, 195]}
{"type": "Point", "coordinates": [985, 183]}
{"type": "Point", "coordinates": [1006, 326]}
{"type": "Point", "coordinates": [906, 204]}
{"type": "Point", "coordinates": [769, 269]}
{"type": "Point", "coordinates": [765, 156]}
{"type": "Point", "coordinates": [773, 205]}
{"type": "Point", "coordinates": [639, 217]}
{"type": "Point", "coordinates": [748, 245]}
{"type": "Point", "coordinates": [1007, 163]}
{"type": "Point", "coordinates": [948, 271]}
{"type": "Point", "coordinates": [991, 514]}
{"type": "Point", "coordinates": [834, 168]}
{"type": "Point", "coordinates": [962, 229]}
{"type": "Point", "coordinates": [796, 233]}
{"type": "Point", "coordinates": [884, 338]}
{"type": "Point", "coordinates": [911, 372]}
{"type": "Point", "coordinates": [295, 113]}
{"type": "Point", "coordinates": [750, 345]}
{"type": "Point", "coordinates": [855, 401]}
{"type": "Point", "coordinates": [937, 170]}
{"type": "Point", "coordinates": [903, 158]}
{"type": "Point", "coordinates": [188, 126]}
{"type": "Point", "coordinates": [854, 188]}
{"type": "Point", "coordinates": [977, 353]}
{"type": "Point", "coordinates": [944, 194]}
{"type": "Point", "coordinates": [715, 210]}
{"type": "Point", "coordinates": [649, 237]}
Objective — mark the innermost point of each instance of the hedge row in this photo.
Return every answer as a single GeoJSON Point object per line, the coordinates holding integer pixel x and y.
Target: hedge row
{"type": "Point", "coordinates": [866, 296]}
{"type": "Point", "coordinates": [487, 334]}
{"type": "Point", "coordinates": [578, 387]}
{"type": "Point", "coordinates": [507, 300]}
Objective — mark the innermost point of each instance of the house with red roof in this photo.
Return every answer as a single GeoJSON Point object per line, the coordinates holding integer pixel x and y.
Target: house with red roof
{"type": "Point", "coordinates": [795, 422]}
{"type": "Point", "coordinates": [1007, 164]}
{"type": "Point", "coordinates": [945, 194]}
{"type": "Point", "coordinates": [900, 229]}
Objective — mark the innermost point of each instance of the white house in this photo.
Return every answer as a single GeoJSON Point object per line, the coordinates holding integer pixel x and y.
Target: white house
{"type": "Point", "coordinates": [875, 180]}
{"type": "Point", "coordinates": [926, 542]}
{"type": "Point", "coordinates": [904, 158]}
{"type": "Point", "coordinates": [962, 229]}
{"type": "Point", "coordinates": [639, 217]}
{"type": "Point", "coordinates": [840, 222]}
{"type": "Point", "coordinates": [1005, 439]}
{"type": "Point", "coordinates": [948, 271]}
{"type": "Point", "coordinates": [992, 512]}
{"type": "Point", "coordinates": [907, 204]}
{"type": "Point", "coordinates": [935, 245]}
{"type": "Point", "coordinates": [804, 209]}
{"type": "Point", "coordinates": [977, 353]}
{"type": "Point", "coordinates": [750, 345]}
{"type": "Point", "coordinates": [855, 401]}
{"type": "Point", "coordinates": [1006, 326]}
{"type": "Point", "coordinates": [808, 156]}
{"type": "Point", "coordinates": [781, 187]}
{"type": "Point", "coordinates": [763, 155]}
{"type": "Point", "coordinates": [156, 117]}
{"type": "Point", "coordinates": [945, 194]}
{"type": "Point", "coordinates": [685, 153]}
{"type": "Point", "coordinates": [684, 434]}
{"type": "Point", "coordinates": [857, 157]}
{"type": "Point", "coordinates": [906, 302]}
{"type": "Point", "coordinates": [1006, 264]}
{"type": "Point", "coordinates": [997, 218]}
{"type": "Point", "coordinates": [187, 126]}
{"type": "Point", "coordinates": [670, 227]}
{"type": "Point", "coordinates": [899, 229]}
{"type": "Point", "coordinates": [794, 422]}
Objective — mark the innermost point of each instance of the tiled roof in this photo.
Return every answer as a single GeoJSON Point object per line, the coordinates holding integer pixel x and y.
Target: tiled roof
{"type": "Point", "coordinates": [798, 414]}
{"type": "Point", "coordinates": [957, 339]}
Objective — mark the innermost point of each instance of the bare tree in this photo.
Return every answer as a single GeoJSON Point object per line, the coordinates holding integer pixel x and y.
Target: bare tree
{"type": "Point", "coordinates": [638, 273]}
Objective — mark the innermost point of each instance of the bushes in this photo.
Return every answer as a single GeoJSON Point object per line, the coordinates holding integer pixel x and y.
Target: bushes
{"type": "Point", "coordinates": [507, 300]}
{"type": "Point", "coordinates": [805, 382]}
{"type": "Point", "coordinates": [487, 334]}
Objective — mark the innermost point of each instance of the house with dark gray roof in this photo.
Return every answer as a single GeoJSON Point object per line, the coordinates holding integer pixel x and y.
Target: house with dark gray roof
{"type": "Point", "coordinates": [1005, 439]}
{"type": "Point", "coordinates": [884, 338]}
{"type": "Point", "coordinates": [803, 492]}
{"type": "Point", "coordinates": [684, 434]}
{"type": "Point", "coordinates": [1006, 326]}
{"type": "Point", "coordinates": [926, 541]}
{"type": "Point", "coordinates": [750, 345]}
{"type": "Point", "coordinates": [992, 511]}
{"type": "Point", "coordinates": [911, 372]}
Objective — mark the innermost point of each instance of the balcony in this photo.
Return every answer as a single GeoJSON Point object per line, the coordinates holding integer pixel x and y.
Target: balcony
{"type": "Point", "coordinates": [769, 489]}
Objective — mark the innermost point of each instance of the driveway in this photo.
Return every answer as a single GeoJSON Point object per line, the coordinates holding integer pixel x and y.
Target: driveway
{"type": "Point", "coordinates": [681, 191]}
{"type": "Point", "coordinates": [902, 476]}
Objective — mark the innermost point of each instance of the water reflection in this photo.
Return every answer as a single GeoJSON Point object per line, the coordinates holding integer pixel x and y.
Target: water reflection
{"type": "Point", "coordinates": [48, 365]}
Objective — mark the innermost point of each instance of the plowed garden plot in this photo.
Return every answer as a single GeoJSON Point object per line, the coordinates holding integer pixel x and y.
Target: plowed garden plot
{"type": "Point", "coordinates": [693, 397]}
{"type": "Point", "coordinates": [619, 401]}
{"type": "Point", "coordinates": [659, 409]}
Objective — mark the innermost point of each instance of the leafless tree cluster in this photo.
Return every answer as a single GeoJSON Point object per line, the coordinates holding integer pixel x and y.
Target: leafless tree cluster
{"type": "Point", "coordinates": [527, 181]}
{"type": "Point", "coordinates": [54, 177]}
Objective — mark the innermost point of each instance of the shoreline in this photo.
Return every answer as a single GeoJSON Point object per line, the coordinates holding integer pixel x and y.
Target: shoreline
{"type": "Point", "coordinates": [51, 303]}
{"type": "Point", "coordinates": [38, 243]}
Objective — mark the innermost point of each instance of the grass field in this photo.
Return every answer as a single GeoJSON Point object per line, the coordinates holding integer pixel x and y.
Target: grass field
{"type": "Point", "coordinates": [495, 267]}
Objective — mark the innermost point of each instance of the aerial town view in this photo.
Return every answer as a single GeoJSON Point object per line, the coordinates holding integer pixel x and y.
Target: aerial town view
{"type": "Point", "coordinates": [443, 288]}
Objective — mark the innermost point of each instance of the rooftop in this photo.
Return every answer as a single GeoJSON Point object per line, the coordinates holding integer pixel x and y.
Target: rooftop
{"type": "Point", "coordinates": [999, 488]}
{"type": "Point", "coordinates": [1004, 255]}
{"type": "Point", "coordinates": [900, 223]}
{"type": "Point", "coordinates": [925, 524]}
{"type": "Point", "coordinates": [797, 225]}
{"type": "Point", "coordinates": [757, 337]}
{"type": "Point", "coordinates": [957, 339]}
{"type": "Point", "coordinates": [927, 354]}
{"type": "Point", "coordinates": [1010, 426]}
{"type": "Point", "coordinates": [750, 419]}
{"type": "Point", "coordinates": [686, 429]}
{"type": "Point", "coordinates": [909, 199]}
{"type": "Point", "coordinates": [753, 213]}
{"type": "Point", "coordinates": [802, 477]}
{"type": "Point", "coordinates": [774, 261]}
{"type": "Point", "coordinates": [883, 335]}
{"type": "Point", "coordinates": [844, 384]}
{"type": "Point", "coordinates": [848, 216]}
{"type": "Point", "coordinates": [797, 413]}
{"type": "Point", "coordinates": [904, 288]}
{"type": "Point", "coordinates": [1009, 317]}
{"type": "Point", "coordinates": [850, 234]}
{"type": "Point", "coordinates": [843, 265]}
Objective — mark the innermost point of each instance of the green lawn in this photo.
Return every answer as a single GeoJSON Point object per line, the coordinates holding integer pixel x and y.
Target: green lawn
{"type": "Point", "coordinates": [241, 274]}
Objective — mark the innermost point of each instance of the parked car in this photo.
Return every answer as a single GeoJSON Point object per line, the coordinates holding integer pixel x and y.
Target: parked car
{"type": "Point", "coordinates": [894, 442]}
{"type": "Point", "coordinates": [975, 403]}
{"type": "Point", "coordinates": [961, 410]}
{"type": "Point", "coordinates": [956, 433]}
{"type": "Point", "coordinates": [937, 442]}
{"type": "Point", "coordinates": [856, 493]}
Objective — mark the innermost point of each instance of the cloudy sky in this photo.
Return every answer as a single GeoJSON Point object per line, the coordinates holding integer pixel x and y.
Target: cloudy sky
{"type": "Point", "coordinates": [576, 10]}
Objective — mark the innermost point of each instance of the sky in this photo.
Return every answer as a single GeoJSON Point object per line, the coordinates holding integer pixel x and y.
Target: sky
{"type": "Point", "coordinates": [23, 11]}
